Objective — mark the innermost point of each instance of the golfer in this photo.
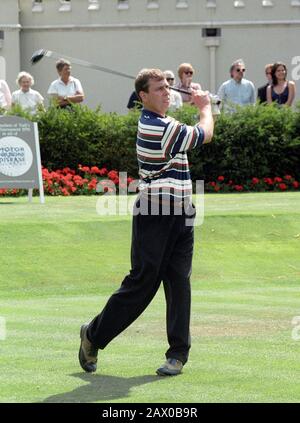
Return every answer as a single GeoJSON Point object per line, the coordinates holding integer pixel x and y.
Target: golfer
{"type": "Point", "coordinates": [162, 242]}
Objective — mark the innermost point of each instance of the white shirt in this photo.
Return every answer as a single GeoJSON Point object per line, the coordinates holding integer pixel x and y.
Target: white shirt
{"type": "Point", "coordinates": [58, 87]}
{"type": "Point", "coordinates": [175, 100]}
{"type": "Point", "coordinates": [28, 100]}
{"type": "Point", "coordinates": [5, 96]}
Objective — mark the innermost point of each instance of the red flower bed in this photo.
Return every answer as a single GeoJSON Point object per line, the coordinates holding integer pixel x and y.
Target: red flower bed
{"type": "Point", "coordinates": [92, 180]}
{"type": "Point", "coordinates": [86, 181]}
{"type": "Point", "coordinates": [285, 183]}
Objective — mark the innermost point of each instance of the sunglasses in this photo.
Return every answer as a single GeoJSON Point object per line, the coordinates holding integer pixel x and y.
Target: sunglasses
{"type": "Point", "coordinates": [240, 70]}
{"type": "Point", "coordinates": [268, 73]}
{"type": "Point", "coordinates": [170, 79]}
{"type": "Point", "coordinates": [188, 72]}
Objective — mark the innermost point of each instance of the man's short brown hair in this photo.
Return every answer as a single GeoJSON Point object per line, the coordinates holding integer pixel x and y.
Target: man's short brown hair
{"type": "Point", "coordinates": [143, 78]}
{"type": "Point", "coordinates": [61, 63]}
{"type": "Point", "coordinates": [268, 67]}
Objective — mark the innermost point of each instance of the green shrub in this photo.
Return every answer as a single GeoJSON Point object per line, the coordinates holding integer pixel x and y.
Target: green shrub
{"type": "Point", "coordinates": [255, 141]}
{"type": "Point", "coordinates": [87, 137]}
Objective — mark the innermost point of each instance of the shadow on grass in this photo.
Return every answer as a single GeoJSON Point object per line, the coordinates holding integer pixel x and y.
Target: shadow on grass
{"type": "Point", "coordinates": [101, 388]}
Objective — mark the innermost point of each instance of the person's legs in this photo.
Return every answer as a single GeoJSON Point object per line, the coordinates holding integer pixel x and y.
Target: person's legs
{"type": "Point", "coordinates": [150, 246]}
{"type": "Point", "coordinates": [178, 296]}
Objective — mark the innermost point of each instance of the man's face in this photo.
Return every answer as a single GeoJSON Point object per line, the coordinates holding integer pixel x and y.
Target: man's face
{"type": "Point", "coordinates": [65, 72]}
{"type": "Point", "coordinates": [238, 72]}
{"type": "Point", "coordinates": [269, 74]}
{"type": "Point", "coordinates": [157, 99]}
{"type": "Point", "coordinates": [170, 79]}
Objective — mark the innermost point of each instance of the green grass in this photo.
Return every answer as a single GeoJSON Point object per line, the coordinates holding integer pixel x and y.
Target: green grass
{"type": "Point", "coordinates": [60, 261]}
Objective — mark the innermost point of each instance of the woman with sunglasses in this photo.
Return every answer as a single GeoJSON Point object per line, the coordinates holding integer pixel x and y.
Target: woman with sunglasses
{"type": "Point", "coordinates": [281, 90]}
{"type": "Point", "coordinates": [185, 73]}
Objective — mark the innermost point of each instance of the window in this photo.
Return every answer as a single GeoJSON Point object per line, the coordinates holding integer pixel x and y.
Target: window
{"type": "Point", "coordinates": [267, 3]}
{"type": "Point", "coordinates": [211, 32]}
{"type": "Point", "coordinates": [123, 4]}
{"type": "Point", "coordinates": [1, 41]}
{"type": "Point", "coordinates": [295, 3]}
{"type": "Point", "coordinates": [211, 4]}
{"type": "Point", "coordinates": [182, 4]}
{"type": "Point", "coordinates": [239, 3]}
{"type": "Point", "coordinates": [94, 5]}
{"type": "Point", "coordinates": [152, 4]}
{"type": "Point", "coordinates": [65, 6]}
{"type": "Point", "coordinates": [37, 6]}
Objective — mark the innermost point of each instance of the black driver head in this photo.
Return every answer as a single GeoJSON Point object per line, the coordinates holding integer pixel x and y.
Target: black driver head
{"type": "Point", "coordinates": [37, 56]}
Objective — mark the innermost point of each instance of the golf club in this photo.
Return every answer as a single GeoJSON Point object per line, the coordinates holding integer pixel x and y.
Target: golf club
{"type": "Point", "coordinates": [40, 54]}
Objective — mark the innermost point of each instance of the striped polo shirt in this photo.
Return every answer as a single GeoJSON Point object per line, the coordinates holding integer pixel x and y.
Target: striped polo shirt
{"type": "Point", "coordinates": [162, 145]}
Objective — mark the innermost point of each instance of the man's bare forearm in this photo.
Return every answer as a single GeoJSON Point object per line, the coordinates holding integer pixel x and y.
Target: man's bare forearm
{"type": "Point", "coordinates": [207, 123]}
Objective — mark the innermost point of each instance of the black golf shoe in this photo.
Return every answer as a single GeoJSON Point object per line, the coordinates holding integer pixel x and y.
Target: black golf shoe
{"type": "Point", "coordinates": [87, 353]}
{"type": "Point", "coordinates": [171, 367]}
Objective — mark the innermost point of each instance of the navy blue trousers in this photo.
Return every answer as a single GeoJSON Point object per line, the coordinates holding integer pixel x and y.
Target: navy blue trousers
{"type": "Point", "coordinates": [161, 250]}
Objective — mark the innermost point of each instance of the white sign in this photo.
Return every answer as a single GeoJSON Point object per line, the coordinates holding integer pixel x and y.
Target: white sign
{"type": "Point", "coordinates": [15, 156]}
{"type": "Point", "coordinates": [20, 159]}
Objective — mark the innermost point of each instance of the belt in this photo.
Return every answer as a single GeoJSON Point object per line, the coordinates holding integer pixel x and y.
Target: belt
{"type": "Point", "coordinates": [163, 202]}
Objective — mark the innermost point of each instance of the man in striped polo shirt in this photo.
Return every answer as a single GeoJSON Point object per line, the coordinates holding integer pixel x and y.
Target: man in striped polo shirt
{"type": "Point", "coordinates": [162, 242]}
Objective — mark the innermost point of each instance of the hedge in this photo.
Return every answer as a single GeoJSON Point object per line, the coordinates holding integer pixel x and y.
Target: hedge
{"type": "Point", "coordinates": [256, 141]}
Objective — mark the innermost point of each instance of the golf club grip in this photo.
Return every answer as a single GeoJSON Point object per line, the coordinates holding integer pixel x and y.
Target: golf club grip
{"type": "Point", "coordinates": [179, 90]}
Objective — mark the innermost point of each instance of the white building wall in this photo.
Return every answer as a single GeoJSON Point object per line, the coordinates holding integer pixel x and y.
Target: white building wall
{"type": "Point", "coordinates": [9, 40]}
{"type": "Point", "coordinates": [128, 40]}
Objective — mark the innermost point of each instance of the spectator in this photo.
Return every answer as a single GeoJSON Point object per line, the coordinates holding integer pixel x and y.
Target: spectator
{"type": "Point", "coordinates": [175, 97]}
{"type": "Point", "coordinates": [281, 90]}
{"type": "Point", "coordinates": [185, 73]}
{"type": "Point", "coordinates": [262, 91]}
{"type": "Point", "coordinates": [134, 101]}
{"type": "Point", "coordinates": [5, 95]}
{"type": "Point", "coordinates": [237, 90]}
{"type": "Point", "coordinates": [26, 97]}
{"type": "Point", "coordinates": [66, 89]}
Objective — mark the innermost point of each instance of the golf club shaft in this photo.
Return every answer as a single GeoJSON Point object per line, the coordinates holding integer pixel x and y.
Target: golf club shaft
{"type": "Point", "coordinates": [179, 90]}
{"type": "Point", "coordinates": [49, 53]}
{"type": "Point", "coordinates": [86, 64]}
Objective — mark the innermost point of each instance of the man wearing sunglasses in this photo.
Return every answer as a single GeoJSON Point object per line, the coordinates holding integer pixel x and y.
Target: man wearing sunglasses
{"type": "Point", "coordinates": [237, 90]}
